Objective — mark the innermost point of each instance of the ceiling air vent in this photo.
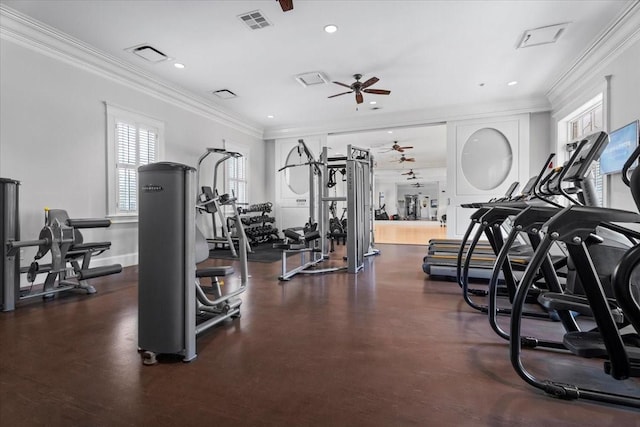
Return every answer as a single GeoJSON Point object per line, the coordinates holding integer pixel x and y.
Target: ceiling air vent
{"type": "Point", "coordinates": [254, 20]}
{"type": "Point", "coordinates": [311, 79]}
{"type": "Point", "coordinates": [542, 35]}
{"type": "Point", "coordinates": [148, 53]}
{"type": "Point", "coordinates": [224, 94]}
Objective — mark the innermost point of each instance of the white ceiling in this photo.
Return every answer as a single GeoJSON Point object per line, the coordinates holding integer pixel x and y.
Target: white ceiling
{"type": "Point", "coordinates": [431, 55]}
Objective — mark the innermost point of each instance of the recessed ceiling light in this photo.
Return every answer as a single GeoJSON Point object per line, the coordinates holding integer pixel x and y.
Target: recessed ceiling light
{"type": "Point", "coordinates": [372, 102]}
{"type": "Point", "coordinates": [480, 84]}
{"type": "Point", "coordinates": [270, 116]}
{"type": "Point", "coordinates": [389, 131]}
{"type": "Point", "coordinates": [178, 65]}
{"type": "Point", "coordinates": [513, 83]}
{"type": "Point", "coordinates": [330, 28]}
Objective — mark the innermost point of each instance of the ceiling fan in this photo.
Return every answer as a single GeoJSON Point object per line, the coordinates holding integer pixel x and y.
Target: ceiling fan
{"type": "Point", "coordinates": [358, 87]}
{"type": "Point", "coordinates": [286, 5]}
{"type": "Point", "coordinates": [403, 159]}
{"type": "Point", "coordinates": [412, 177]}
{"type": "Point", "coordinates": [410, 173]}
{"type": "Point", "coordinates": [397, 147]}
{"type": "Point", "coordinates": [417, 184]}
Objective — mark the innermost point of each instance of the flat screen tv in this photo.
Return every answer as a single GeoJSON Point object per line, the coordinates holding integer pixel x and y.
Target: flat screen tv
{"type": "Point", "coordinates": [622, 142]}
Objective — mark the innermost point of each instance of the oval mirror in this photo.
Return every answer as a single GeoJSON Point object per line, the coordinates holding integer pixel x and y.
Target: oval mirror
{"type": "Point", "coordinates": [486, 159]}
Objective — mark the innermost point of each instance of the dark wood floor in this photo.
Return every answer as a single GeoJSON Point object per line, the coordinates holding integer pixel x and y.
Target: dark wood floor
{"type": "Point", "coordinates": [386, 347]}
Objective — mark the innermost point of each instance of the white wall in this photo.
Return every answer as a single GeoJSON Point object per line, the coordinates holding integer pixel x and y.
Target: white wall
{"type": "Point", "coordinates": [53, 140]}
{"type": "Point", "coordinates": [539, 143]}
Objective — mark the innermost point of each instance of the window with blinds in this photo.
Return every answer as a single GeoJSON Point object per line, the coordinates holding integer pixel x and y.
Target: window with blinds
{"type": "Point", "coordinates": [136, 145]}
{"type": "Point", "coordinates": [133, 140]}
{"type": "Point", "coordinates": [584, 124]}
{"type": "Point", "coordinates": [237, 178]}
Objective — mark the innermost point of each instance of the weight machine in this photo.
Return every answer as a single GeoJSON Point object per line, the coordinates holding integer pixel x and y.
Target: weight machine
{"type": "Point", "coordinates": [306, 244]}
{"type": "Point", "coordinates": [211, 202]}
{"type": "Point", "coordinates": [173, 307]}
{"type": "Point", "coordinates": [357, 165]}
{"type": "Point", "coordinates": [69, 267]}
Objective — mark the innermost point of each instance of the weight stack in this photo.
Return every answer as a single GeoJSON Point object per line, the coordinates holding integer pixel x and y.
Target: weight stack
{"type": "Point", "coordinates": [166, 240]}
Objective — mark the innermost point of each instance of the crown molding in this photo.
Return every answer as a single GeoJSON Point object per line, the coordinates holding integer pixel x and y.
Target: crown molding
{"type": "Point", "coordinates": [415, 118]}
{"type": "Point", "coordinates": [32, 34]}
{"type": "Point", "coordinates": [621, 33]}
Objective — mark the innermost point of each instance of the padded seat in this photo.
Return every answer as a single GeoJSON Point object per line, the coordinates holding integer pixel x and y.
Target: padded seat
{"type": "Point", "coordinates": [222, 271]}
{"type": "Point", "coordinates": [289, 246]}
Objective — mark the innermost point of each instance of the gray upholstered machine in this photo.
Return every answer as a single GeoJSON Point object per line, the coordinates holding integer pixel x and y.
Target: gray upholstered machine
{"type": "Point", "coordinates": [173, 306]}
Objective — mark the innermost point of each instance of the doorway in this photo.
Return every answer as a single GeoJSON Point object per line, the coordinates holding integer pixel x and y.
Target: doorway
{"type": "Point", "coordinates": [410, 176]}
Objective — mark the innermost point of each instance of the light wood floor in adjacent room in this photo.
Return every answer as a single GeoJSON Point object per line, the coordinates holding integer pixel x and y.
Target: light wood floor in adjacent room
{"type": "Point", "coordinates": [408, 232]}
{"type": "Point", "coordinates": [386, 347]}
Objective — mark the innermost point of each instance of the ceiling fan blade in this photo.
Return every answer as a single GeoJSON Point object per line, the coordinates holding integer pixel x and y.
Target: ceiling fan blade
{"type": "Point", "coordinates": [342, 84]}
{"type": "Point", "coordinates": [286, 5]}
{"type": "Point", "coordinates": [409, 160]}
{"type": "Point", "coordinates": [377, 91]}
{"type": "Point", "coordinates": [338, 94]}
{"type": "Point", "coordinates": [405, 148]}
{"type": "Point", "coordinates": [359, 99]}
{"type": "Point", "coordinates": [369, 82]}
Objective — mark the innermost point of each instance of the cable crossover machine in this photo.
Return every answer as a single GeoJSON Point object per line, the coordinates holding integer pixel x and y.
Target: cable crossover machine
{"type": "Point", "coordinates": [358, 167]}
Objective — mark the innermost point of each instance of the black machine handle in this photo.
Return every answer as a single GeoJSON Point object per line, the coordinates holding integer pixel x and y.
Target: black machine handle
{"type": "Point", "coordinates": [91, 273]}
{"type": "Point", "coordinates": [89, 223]}
{"type": "Point", "coordinates": [627, 165]}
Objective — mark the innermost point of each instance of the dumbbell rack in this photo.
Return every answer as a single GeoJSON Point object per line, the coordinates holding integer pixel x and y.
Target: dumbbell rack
{"type": "Point", "coordinates": [258, 228]}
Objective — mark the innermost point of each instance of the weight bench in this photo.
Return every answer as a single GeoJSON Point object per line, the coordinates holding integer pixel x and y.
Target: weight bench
{"type": "Point", "coordinates": [300, 243]}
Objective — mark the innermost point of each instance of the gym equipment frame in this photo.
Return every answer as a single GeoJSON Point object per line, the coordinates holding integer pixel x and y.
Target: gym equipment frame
{"type": "Point", "coordinates": [212, 203]}
{"type": "Point", "coordinates": [359, 195]}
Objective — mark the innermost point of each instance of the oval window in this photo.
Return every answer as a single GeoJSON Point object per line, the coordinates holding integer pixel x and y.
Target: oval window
{"type": "Point", "coordinates": [296, 177]}
{"type": "Point", "coordinates": [486, 159]}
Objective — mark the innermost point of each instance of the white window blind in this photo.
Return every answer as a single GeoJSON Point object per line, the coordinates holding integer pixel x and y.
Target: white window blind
{"type": "Point", "coordinates": [135, 146]}
{"type": "Point", "coordinates": [237, 178]}
{"type": "Point", "coordinates": [133, 140]}
{"type": "Point", "coordinates": [582, 125]}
